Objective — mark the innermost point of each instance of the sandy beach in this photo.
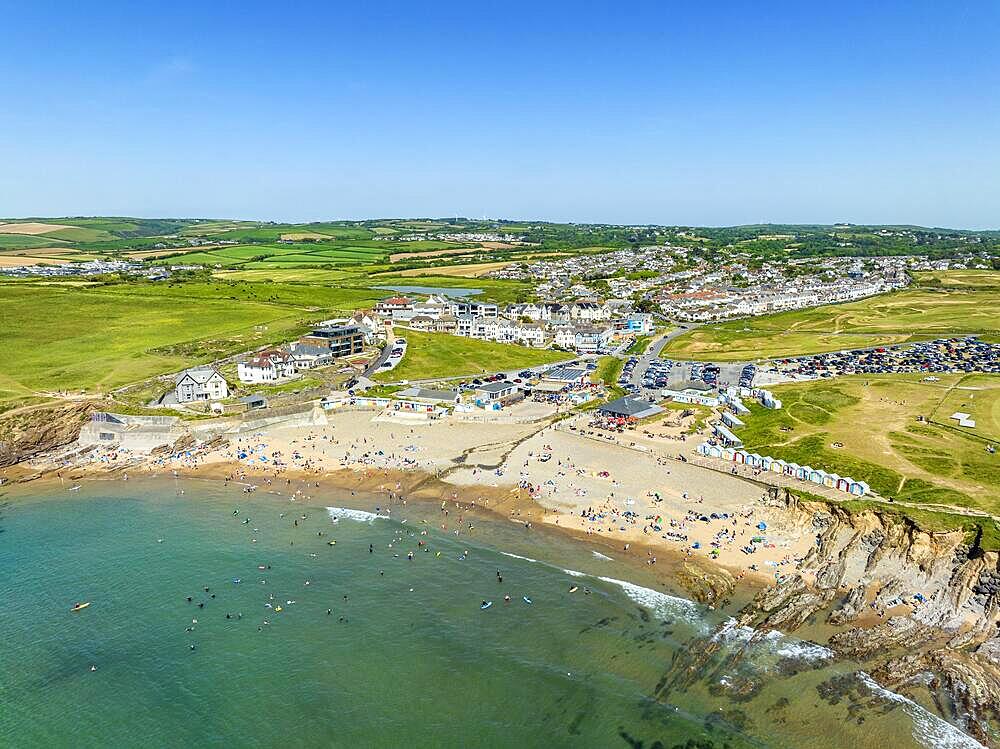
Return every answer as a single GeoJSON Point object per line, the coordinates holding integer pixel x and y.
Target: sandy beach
{"type": "Point", "coordinates": [634, 498]}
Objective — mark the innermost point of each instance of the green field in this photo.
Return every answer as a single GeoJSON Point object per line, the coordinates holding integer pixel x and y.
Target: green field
{"type": "Point", "coordinates": [914, 314]}
{"type": "Point", "coordinates": [431, 355]}
{"type": "Point", "coordinates": [875, 419]}
{"type": "Point", "coordinates": [97, 338]}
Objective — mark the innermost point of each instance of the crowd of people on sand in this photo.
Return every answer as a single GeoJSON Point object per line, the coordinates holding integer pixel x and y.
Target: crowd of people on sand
{"type": "Point", "coordinates": [257, 460]}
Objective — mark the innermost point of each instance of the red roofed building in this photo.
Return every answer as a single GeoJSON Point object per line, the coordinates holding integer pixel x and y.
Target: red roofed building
{"type": "Point", "coordinates": [269, 365]}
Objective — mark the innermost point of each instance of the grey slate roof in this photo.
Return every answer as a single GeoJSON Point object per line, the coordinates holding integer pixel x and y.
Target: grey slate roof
{"type": "Point", "coordinates": [628, 406]}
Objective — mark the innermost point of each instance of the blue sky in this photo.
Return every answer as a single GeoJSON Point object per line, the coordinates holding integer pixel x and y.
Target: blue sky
{"type": "Point", "coordinates": [675, 113]}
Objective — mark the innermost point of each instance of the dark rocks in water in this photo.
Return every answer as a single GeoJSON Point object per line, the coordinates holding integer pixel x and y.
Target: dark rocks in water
{"type": "Point", "coordinates": [964, 685]}
{"type": "Point", "coordinates": [736, 688]}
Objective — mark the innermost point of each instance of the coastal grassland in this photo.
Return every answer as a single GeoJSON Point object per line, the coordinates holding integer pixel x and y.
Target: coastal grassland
{"type": "Point", "coordinates": [609, 369]}
{"type": "Point", "coordinates": [317, 276]}
{"type": "Point", "coordinates": [957, 279]}
{"type": "Point", "coordinates": [875, 419]}
{"type": "Point", "coordinates": [431, 355]}
{"type": "Point", "coordinates": [101, 337]}
{"type": "Point", "coordinates": [639, 345]}
{"type": "Point", "coordinates": [918, 313]}
{"type": "Point", "coordinates": [27, 241]}
{"type": "Point", "coordinates": [61, 338]}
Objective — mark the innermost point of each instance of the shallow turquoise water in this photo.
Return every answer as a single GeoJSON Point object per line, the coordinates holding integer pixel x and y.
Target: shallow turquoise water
{"type": "Point", "coordinates": [391, 666]}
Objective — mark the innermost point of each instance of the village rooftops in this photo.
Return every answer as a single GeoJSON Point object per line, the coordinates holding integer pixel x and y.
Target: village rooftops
{"type": "Point", "coordinates": [496, 387]}
{"type": "Point", "coordinates": [265, 357]}
{"type": "Point", "coordinates": [428, 394]}
{"type": "Point", "coordinates": [335, 331]}
{"type": "Point", "coordinates": [200, 375]}
{"type": "Point", "coordinates": [565, 374]}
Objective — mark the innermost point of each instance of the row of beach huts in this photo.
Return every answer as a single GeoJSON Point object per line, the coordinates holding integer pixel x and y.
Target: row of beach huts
{"type": "Point", "coordinates": [794, 470]}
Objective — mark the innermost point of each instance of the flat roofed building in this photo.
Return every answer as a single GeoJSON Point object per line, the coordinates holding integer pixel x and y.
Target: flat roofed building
{"type": "Point", "coordinates": [341, 340]}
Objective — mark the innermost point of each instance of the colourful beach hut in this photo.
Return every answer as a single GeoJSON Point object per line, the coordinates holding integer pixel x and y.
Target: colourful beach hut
{"type": "Point", "coordinates": [740, 456]}
{"type": "Point", "coordinates": [754, 460]}
{"type": "Point", "coordinates": [830, 480]}
{"type": "Point", "coordinates": [844, 483]}
{"type": "Point", "coordinates": [816, 476]}
{"type": "Point", "coordinates": [703, 448]}
{"type": "Point", "coordinates": [728, 453]}
{"type": "Point", "coordinates": [778, 466]}
{"type": "Point", "coordinates": [859, 488]}
{"type": "Point", "coordinates": [715, 451]}
{"type": "Point", "coordinates": [802, 472]}
{"type": "Point", "coordinates": [765, 462]}
{"type": "Point", "coordinates": [791, 469]}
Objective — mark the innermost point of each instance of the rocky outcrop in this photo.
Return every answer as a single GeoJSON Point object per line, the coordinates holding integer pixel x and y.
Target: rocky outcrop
{"type": "Point", "coordinates": [964, 685]}
{"type": "Point", "coordinates": [27, 433]}
{"type": "Point", "coordinates": [934, 598]}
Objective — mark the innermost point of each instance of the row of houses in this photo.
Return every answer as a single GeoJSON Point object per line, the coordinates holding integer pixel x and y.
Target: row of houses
{"type": "Point", "coordinates": [793, 470]}
{"type": "Point", "coordinates": [318, 348]}
{"type": "Point", "coordinates": [584, 326]}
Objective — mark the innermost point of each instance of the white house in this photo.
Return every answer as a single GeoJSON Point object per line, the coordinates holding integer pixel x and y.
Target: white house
{"type": "Point", "coordinates": [269, 365]}
{"type": "Point", "coordinates": [200, 384]}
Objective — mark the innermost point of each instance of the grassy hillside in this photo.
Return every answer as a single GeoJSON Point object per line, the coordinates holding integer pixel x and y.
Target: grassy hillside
{"type": "Point", "coordinates": [95, 338]}
{"type": "Point", "coordinates": [919, 313]}
{"type": "Point", "coordinates": [883, 443]}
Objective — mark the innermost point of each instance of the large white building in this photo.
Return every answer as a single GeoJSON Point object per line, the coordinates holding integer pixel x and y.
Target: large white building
{"type": "Point", "coordinates": [269, 365]}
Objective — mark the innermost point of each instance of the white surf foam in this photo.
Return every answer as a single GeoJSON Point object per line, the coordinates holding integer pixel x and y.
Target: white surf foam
{"type": "Point", "coordinates": [574, 573]}
{"type": "Point", "coordinates": [780, 644]}
{"type": "Point", "coordinates": [518, 556]}
{"type": "Point", "coordinates": [602, 557]}
{"type": "Point", "coordinates": [928, 729]}
{"type": "Point", "coordinates": [663, 605]}
{"type": "Point", "coordinates": [336, 513]}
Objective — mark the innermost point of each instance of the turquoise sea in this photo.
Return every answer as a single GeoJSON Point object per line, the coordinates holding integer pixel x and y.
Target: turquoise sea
{"type": "Point", "coordinates": [406, 657]}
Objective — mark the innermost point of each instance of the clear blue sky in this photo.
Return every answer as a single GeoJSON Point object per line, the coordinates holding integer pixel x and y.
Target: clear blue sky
{"type": "Point", "coordinates": [686, 112]}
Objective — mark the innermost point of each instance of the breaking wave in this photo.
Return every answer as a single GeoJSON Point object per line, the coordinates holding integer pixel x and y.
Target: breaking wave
{"type": "Point", "coordinates": [336, 513]}
{"type": "Point", "coordinates": [928, 729]}
{"type": "Point", "coordinates": [663, 605]}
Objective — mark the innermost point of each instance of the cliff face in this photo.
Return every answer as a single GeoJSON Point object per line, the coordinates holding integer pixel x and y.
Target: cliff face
{"type": "Point", "coordinates": [25, 434]}
{"type": "Point", "coordinates": [926, 608]}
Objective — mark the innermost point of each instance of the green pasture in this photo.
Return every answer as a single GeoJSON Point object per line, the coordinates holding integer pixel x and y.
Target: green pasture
{"type": "Point", "coordinates": [867, 427]}
{"type": "Point", "coordinates": [431, 355]}
{"type": "Point", "coordinates": [913, 314]}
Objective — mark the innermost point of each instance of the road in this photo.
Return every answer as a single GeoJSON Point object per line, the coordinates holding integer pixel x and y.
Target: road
{"type": "Point", "coordinates": [653, 354]}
